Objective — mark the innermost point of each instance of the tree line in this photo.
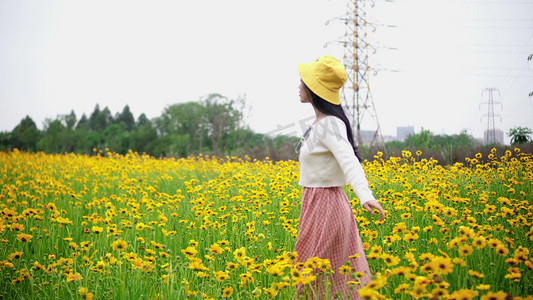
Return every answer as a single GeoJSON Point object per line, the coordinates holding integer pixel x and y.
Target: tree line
{"type": "Point", "coordinates": [213, 125]}
{"type": "Point", "coordinates": [449, 149]}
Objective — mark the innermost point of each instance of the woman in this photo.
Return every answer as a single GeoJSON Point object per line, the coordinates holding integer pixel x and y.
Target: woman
{"type": "Point", "coordinates": [328, 160]}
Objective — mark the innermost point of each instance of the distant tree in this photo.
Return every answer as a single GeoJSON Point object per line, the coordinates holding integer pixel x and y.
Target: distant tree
{"type": "Point", "coordinates": [100, 119]}
{"type": "Point", "coordinates": [419, 140]}
{"type": "Point", "coordinates": [116, 138]}
{"type": "Point", "coordinates": [83, 123]}
{"type": "Point", "coordinates": [70, 120]}
{"type": "Point", "coordinates": [224, 116]}
{"type": "Point", "coordinates": [53, 136]}
{"type": "Point", "coordinates": [93, 119]}
{"type": "Point", "coordinates": [104, 119]}
{"type": "Point", "coordinates": [126, 117]}
{"type": "Point", "coordinates": [25, 135]}
{"type": "Point", "coordinates": [95, 140]}
{"type": "Point", "coordinates": [183, 128]}
{"type": "Point", "coordinates": [519, 135]}
{"type": "Point", "coordinates": [69, 136]}
{"type": "Point", "coordinates": [143, 120]}
{"type": "Point", "coordinates": [6, 141]}
{"type": "Point", "coordinates": [144, 137]}
{"type": "Point", "coordinates": [81, 140]}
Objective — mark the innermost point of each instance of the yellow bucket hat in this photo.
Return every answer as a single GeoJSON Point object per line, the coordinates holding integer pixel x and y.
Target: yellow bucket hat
{"type": "Point", "coordinates": [325, 77]}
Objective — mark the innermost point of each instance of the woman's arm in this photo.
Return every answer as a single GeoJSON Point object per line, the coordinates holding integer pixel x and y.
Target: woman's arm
{"type": "Point", "coordinates": [335, 139]}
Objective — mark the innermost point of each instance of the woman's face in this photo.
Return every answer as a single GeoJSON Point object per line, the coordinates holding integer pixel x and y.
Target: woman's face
{"type": "Point", "coordinates": [304, 95]}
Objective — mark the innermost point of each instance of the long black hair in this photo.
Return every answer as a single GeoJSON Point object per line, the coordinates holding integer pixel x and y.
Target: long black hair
{"type": "Point", "coordinates": [331, 109]}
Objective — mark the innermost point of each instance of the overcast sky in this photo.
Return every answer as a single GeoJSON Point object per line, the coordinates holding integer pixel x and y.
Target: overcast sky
{"type": "Point", "coordinates": [433, 58]}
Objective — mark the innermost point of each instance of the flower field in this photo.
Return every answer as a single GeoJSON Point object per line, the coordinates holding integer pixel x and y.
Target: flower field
{"type": "Point", "coordinates": [136, 227]}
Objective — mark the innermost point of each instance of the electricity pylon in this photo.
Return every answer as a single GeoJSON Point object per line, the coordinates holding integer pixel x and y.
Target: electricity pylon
{"type": "Point", "coordinates": [490, 138]}
{"type": "Point", "coordinates": [356, 94]}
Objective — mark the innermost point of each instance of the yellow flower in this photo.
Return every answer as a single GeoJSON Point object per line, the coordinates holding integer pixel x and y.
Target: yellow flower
{"type": "Point", "coordinates": [227, 292]}
{"type": "Point", "coordinates": [6, 264]}
{"type": "Point", "coordinates": [439, 265]}
{"type": "Point", "coordinates": [495, 296]}
{"type": "Point", "coordinates": [15, 255]}
{"type": "Point", "coordinates": [529, 264]}
{"type": "Point", "coordinates": [483, 287]}
{"type": "Point", "coordinates": [256, 292]}
{"type": "Point", "coordinates": [405, 216]}
{"type": "Point", "coordinates": [84, 293]}
{"type": "Point", "coordinates": [475, 274]}
{"type": "Point", "coordinates": [465, 250]}
{"type": "Point", "coordinates": [97, 229]}
{"type": "Point", "coordinates": [140, 226]}
{"type": "Point", "coordinates": [239, 253]}
{"type": "Point", "coordinates": [189, 251]}
{"type": "Point", "coordinates": [272, 292]}
{"type": "Point", "coordinates": [16, 227]}
{"type": "Point", "coordinates": [345, 270]}
{"type": "Point", "coordinates": [231, 266]}
{"type": "Point", "coordinates": [479, 242]}
{"type": "Point", "coordinates": [439, 293]}
{"type": "Point", "coordinates": [221, 275]}
{"type": "Point", "coordinates": [216, 249]}
{"type": "Point", "coordinates": [366, 246]}
{"type": "Point", "coordinates": [390, 260]}
{"type": "Point", "coordinates": [377, 283]}
{"type": "Point", "coordinates": [246, 278]}
{"type": "Point", "coordinates": [24, 237]}
{"type": "Point", "coordinates": [197, 264]}
{"type": "Point", "coordinates": [502, 250]}
{"type": "Point", "coordinates": [401, 288]}
{"type": "Point", "coordinates": [463, 294]}
{"type": "Point", "coordinates": [401, 270]}
{"type": "Point", "coordinates": [275, 270]}
{"type": "Point", "coordinates": [119, 245]}
{"type": "Point", "coordinates": [74, 277]}
{"type": "Point", "coordinates": [369, 293]}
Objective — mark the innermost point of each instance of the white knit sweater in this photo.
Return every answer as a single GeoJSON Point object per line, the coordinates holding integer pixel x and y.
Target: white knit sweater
{"type": "Point", "coordinates": [327, 159]}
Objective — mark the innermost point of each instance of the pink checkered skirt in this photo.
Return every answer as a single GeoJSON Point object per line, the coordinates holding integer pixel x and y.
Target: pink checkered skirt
{"type": "Point", "coordinates": [328, 231]}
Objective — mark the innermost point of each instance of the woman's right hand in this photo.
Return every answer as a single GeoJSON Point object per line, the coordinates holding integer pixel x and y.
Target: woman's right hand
{"type": "Point", "coordinates": [374, 204]}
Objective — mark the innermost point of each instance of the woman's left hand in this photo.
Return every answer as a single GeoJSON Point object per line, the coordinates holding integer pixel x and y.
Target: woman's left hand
{"type": "Point", "coordinates": [374, 204]}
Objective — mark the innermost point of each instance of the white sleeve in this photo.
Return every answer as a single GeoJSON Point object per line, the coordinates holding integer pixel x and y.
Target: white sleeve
{"type": "Point", "coordinates": [335, 139]}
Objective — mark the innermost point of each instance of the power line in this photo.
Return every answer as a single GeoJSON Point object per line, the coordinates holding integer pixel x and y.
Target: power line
{"type": "Point", "coordinates": [494, 20]}
{"type": "Point", "coordinates": [494, 52]}
{"type": "Point", "coordinates": [500, 75]}
{"type": "Point", "coordinates": [484, 68]}
{"type": "Point", "coordinates": [498, 3]}
{"type": "Point", "coordinates": [496, 27]}
{"type": "Point", "coordinates": [494, 45]}
{"type": "Point", "coordinates": [517, 61]}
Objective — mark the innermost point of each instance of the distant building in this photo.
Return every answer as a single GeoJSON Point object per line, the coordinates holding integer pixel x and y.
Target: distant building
{"type": "Point", "coordinates": [367, 136]}
{"type": "Point", "coordinates": [493, 137]}
{"type": "Point", "coordinates": [402, 132]}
